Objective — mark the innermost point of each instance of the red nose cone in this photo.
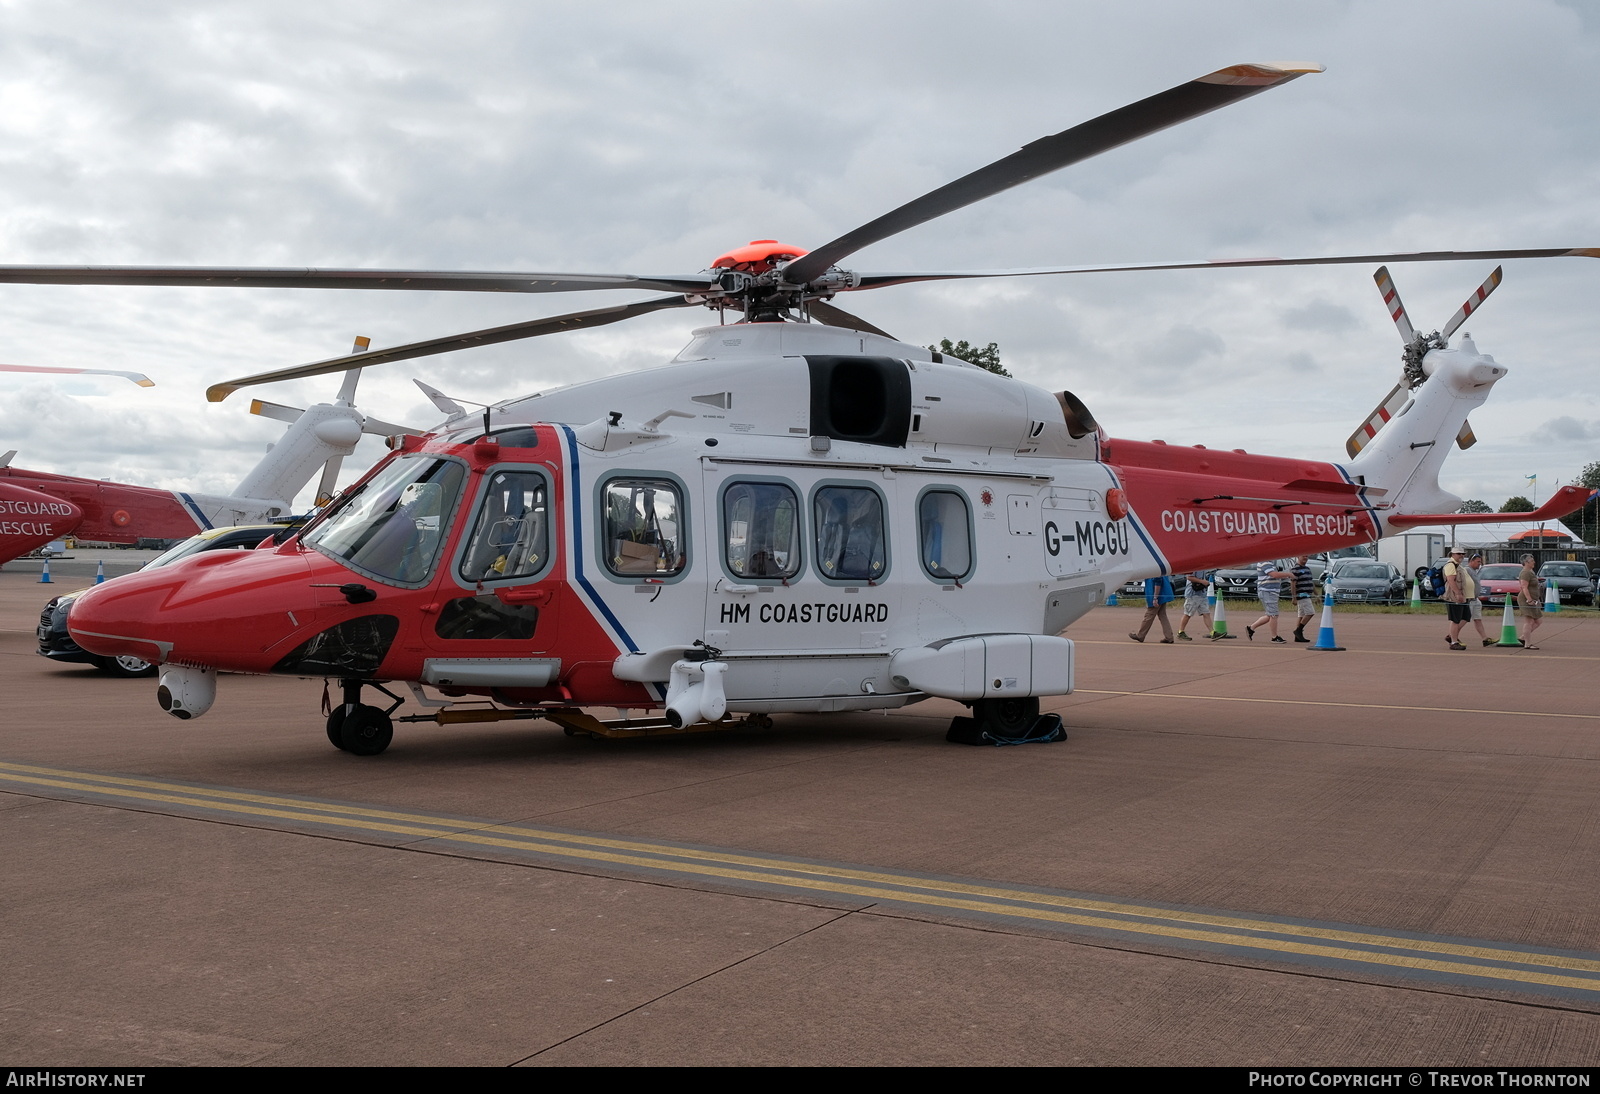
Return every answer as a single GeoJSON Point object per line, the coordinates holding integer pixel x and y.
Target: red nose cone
{"type": "Point", "coordinates": [220, 609]}
{"type": "Point", "coordinates": [759, 256]}
{"type": "Point", "coordinates": [29, 519]}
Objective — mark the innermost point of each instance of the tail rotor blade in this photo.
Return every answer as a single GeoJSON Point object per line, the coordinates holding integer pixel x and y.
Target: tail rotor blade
{"type": "Point", "coordinates": [1397, 310]}
{"type": "Point", "coordinates": [330, 475]}
{"type": "Point", "coordinates": [1465, 438]}
{"type": "Point", "coordinates": [1391, 405]}
{"type": "Point", "coordinates": [1474, 302]}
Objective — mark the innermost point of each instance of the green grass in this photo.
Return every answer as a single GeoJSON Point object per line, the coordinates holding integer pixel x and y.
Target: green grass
{"type": "Point", "coordinates": [1429, 607]}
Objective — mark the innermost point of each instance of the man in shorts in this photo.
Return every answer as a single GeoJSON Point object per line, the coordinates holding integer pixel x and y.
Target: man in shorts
{"type": "Point", "coordinates": [1530, 601]}
{"type": "Point", "coordinates": [1459, 591]}
{"type": "Point", "coordinates": [1474, 564]}
{"type": "Point", "coordinates": [1269, 581]}
{"type": "Point", "coordinates": [1196, 604]}
{"type": "Point", "coordinates": [1304, 586]}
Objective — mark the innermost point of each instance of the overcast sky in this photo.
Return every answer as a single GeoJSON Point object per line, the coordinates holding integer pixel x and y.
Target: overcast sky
{"type": "Point", "coordinates": [649, 138]}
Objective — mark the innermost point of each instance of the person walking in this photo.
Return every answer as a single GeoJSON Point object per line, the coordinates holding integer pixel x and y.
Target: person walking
{"type": "Point", "coordinates": [1157, 595]}
{"type": "Point", "coordinates": [1474, 564]}
{"type": "Point", "coordinates": [1304, 587]}
{"type": "Point", "coordinates": [1459, 590]}
{"type": "Point", "coordinates": [1269, 583]}
{"type": "Point", "coordinates": [1196, 605]}
{"type": "Point", "coordinates": [1530, 600]}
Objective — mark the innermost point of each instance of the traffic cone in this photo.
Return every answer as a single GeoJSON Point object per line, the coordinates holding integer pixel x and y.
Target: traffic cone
{"type": "Point", "coordinates": [1325, 635]}
{"type": "Point", "coordinates": [1416, 593]}
{"type": "Point", "coordinates": [1508, 627]}
{"type": "Point", "coordinates": [1111, 601]}
{"type": "Point", "coordinates": [44, 578]}
{"type": "Point", "coordinates": [1552, 598]}
{"type": "Point", "coordinates": [99, 571]}
{"type": "Point", "coordinates": [1219, 620]}
{"type": "Point", "coordinates": [1211, 597]}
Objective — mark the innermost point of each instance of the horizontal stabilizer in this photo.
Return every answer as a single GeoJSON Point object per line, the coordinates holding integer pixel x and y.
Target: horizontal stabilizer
{"type": "Point", "coordinates": [1566, 500]}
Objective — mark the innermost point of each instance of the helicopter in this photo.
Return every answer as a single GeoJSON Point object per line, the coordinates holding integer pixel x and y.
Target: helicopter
{"type": "Point", "coordinates": [39, 506]}
{"type": "Point", "coordinates": [799, 513]}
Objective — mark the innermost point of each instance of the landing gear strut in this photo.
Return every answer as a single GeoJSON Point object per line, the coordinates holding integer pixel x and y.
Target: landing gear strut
{"type": "Point", "coordinates": [357, 727]}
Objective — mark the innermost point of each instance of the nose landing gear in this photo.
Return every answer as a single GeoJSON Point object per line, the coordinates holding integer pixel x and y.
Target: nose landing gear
{"type": "Point", "coordinates": [357, 727]}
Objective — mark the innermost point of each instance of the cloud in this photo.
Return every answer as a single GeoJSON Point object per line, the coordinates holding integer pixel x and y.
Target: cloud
{"type": "Point", "coordinates": [1566, 430]}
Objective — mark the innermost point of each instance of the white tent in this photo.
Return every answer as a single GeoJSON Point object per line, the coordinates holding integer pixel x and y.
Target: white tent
{"type": "Point", "coordinates": [1493, 536]}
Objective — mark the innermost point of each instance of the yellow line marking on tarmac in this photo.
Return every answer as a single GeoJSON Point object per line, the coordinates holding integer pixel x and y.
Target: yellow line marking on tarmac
{"type": "Point", "coordinates": [879, 885]}
{"type": "Point", "coordinates": [1356, 706]}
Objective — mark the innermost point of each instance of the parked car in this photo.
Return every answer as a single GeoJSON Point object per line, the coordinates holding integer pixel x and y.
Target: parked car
{"type": "Point", "coordinates": [1496, 580]}
{"type": "Point", "coordinates": [1571, 580]}
{"type": "Point", "coordinates": [57, 644]}
{"type": "Point", "coordinates": [1236, 582]}
{"type": "Point", "coordinates": [1365, 580]}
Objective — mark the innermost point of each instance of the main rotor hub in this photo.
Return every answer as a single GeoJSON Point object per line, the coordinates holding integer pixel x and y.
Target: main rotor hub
{"type": "Point", "coordinates": [759, 256]}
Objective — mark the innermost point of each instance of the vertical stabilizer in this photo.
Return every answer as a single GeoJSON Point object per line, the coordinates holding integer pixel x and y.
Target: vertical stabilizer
{"type": "Point", "coordinates": [1405, 456]}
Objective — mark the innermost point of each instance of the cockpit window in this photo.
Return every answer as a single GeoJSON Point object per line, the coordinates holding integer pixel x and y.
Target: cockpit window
{"type": "Point", "coordinates": [512, 535]}
{"type": "Point", "coordinates": [393, 527]}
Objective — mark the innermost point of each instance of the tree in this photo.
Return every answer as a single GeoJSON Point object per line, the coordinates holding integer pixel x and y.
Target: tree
{"type": "Point", "coordinates": [1473, 505]}
{"type": "Point", "coordinates": [1588, 518]}
{"type": "Point", "coordinates": [1518, 504]}
{"type": "Point", "coordinates": [986, 357]}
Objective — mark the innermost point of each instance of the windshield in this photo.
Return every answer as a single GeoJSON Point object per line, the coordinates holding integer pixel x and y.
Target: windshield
{"type": "Point", "coordinates": [1564, 569]}
{"type": "Point", "coordinates": [1500, 571]}
{"type": "Point", "coordinates": [392, 527]}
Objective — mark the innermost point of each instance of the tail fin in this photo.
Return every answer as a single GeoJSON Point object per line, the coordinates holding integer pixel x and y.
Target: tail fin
{"type": "Point", "coordinates": [1404, 457]}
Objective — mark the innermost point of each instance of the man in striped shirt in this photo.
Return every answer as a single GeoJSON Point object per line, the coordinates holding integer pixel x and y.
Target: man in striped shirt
{"type": "Point", "coordinates": [1269, 582]}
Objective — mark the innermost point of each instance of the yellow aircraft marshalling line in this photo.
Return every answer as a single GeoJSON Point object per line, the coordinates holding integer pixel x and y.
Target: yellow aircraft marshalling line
{"type": "Point", "coordinates": [1244, 854]}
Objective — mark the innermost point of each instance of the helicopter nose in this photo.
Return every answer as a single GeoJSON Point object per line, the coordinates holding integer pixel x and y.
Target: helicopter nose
{"type": "Point", "coordinates": [222, 609]}
{"type": "Point", "coordinates": [124, 617]}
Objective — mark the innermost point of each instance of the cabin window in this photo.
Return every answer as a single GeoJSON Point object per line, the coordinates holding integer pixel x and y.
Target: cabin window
{"type": "Point", "coordinates": [852, 544]}
{"type": "Point", "coordinates": [945, 528]}
{"type": "Point", "coordinates": [762, 524]}
{"type": "Point", "coordinates": [392, 527]}
{"type": "Point", "coordinates": [511, 537]}
{"type": "Point", "coordinates": [643, 528]}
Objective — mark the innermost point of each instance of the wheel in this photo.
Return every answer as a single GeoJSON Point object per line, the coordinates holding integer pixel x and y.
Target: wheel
{"type": "Point", "coordinates": [366, 731]}
{"type": "Point", "coordinates": [1005, 717]}
{"type": "Point", "coordinates": [125, 666]}
{"type": "Point", "coordinates": [336, 727]}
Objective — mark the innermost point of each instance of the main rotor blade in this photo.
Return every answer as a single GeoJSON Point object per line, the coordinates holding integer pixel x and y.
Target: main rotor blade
{"type": "Point", "coordinates": [1490, 284]}
{"type": "Point", "coordinates": [883, 280]}
{"type": "Point", "coordinates": [838, 317]}
{"type": "Point", "coordinates": [137, 377]}
{"type": "Point", "coordinates": [1049, 154]}
{"type": "Point", "coordinates": [597, 317]}
{"type": "Point", "coordinates": [1391, 300]}
{"type": "Point", "coordinates": [253, 277]}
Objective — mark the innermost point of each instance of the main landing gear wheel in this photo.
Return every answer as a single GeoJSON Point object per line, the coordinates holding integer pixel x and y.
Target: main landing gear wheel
{"type": "Point", "coordinates": [1005, 717]}
{"type": "Point", "coordinates": [336, 727]}
{"type": "Point", "coordinates": [365, 731]}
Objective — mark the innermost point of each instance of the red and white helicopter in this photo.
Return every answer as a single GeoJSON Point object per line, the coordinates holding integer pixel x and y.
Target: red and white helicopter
{"type": "Point", "coordinates": [39, 506]}
{"type": "Point", "coordinates": [798, 513]}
